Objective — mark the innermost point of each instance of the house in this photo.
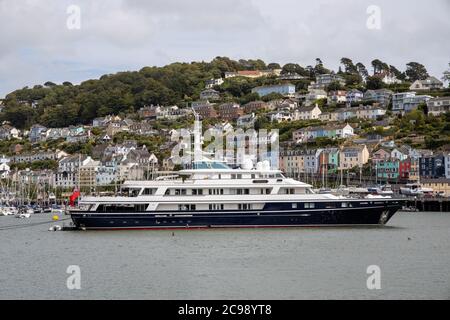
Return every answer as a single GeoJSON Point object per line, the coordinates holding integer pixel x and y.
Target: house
{"type": "Point", "coordinates": [209, 94]}
{"type": "Point", "coordinates": [438, 106]}
{"type": "Point", "coordinates": [380, 96]}
{"type": "Point", "coordinates": [328, 116]}
{"type": "Point", "coordinates": [329, 161]}
{"type": "Point", "coordinates": [331, 131]}
{"type": "Point", "coordinates": [381, 154]}
{"type": "Point", "coordinates": [345, 114]}
{"type": "Point", "coordinates": [324, 80]}
{"type": "Point", "coordinates": [440, 185]}
{"type": "Point", "coordinates": [88, 173]}
{"type": "Point", "coordinates": [387, 169]}
{"type": "Point", "coordinates": [407, 101]}
{"type": "Point", "coordinates": [308, 112]}
{"type": "Point", "coordinates": [102, 122]}
{"type": "Point", "coordinates": [286, 89]}
{"type": "Point", "coordinates": [389, 78]}
{"type": "Point", "coordinates": [213, 82]}
{"type": "Point", "coordinates": [280, 116]}
{"type": "Point", "coordinates": [230, 111]}
{"type": "Point", "coordinates": [404, 170]}
{"type": "Point", "coordinates": [107, 171]}
{"type": "Point", "coordinates": [67, 174]}
{"type": "Point", "coordinates": [338, 96]}
{"type": "Point", "coordinates": [148, 112]}
{"type": "Point", "coordinates": [8, 132]}
{"type": "Point", "coordinates": [432, 166]}
{"type": "Point", "coordinates": [400, 153]}
{"type": "Point", "coordinates": [247, 121]}
{"type": "Point", "coordinates": [430, 83]}
{"type": "Point", "coordinates": [205, 110]}
{"type": "Point", "coordinates": [353, 156]}
{"type": "Point", "coordinates": [369, 112]}
{"type": "Point", "coordinates": [314, 95]}
{"type": "Point", "coordinates": [172, 113]}
{"type": "Point", "coordinates": [37, 133]}
{"type": "Point", "coordinates": [297, 162]}
{"type": "Point", "coordinates": [254, 106]}
{"type": "Point", "coordinates": [353, 96]}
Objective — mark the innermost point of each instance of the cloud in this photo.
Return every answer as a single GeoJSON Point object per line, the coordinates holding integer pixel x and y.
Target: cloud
{"type": "Point", "coordinates": [116, 35]}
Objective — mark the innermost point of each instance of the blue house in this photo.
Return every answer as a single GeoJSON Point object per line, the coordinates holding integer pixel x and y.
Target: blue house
{"type": "Point", "coordinates": [284, 89]}
{"type": "Point", "coordinates": [432, 166]}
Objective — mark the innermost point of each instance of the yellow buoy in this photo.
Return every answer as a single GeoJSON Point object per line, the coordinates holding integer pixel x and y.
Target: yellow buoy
{"type": "Point", "coordinates": [55, 218]}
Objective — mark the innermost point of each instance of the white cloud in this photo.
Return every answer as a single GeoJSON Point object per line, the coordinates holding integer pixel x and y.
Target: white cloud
{"type": "Point", "coordinates": [115, 35]}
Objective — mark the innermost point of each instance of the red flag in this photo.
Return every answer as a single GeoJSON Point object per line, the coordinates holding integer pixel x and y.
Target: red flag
{"type": "Point", "coordinates": [73, 197]}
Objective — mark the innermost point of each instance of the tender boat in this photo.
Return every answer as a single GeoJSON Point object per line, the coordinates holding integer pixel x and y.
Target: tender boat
{"type": "Point", "coordinates": [415, 189]}
{"type": "Point", "coordinates": [212, 195]}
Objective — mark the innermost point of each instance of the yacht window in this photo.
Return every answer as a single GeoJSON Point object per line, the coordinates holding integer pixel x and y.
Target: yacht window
{"type": "Point", "coordinates": [310, 205]}
{"type": "Point", "coordinates": [344, 204]}
{"type": "Point", "coordinates": [180, 192]}
{"type": "Point", "coordinates": [294, 206]}
{"type": "Point", "coordinates": [149, 191]}
{"type": "Point", "coordinates": [196, 192]}
{"type": "Point", "coordinates": [216, 207]}
{"type": "Point", "coordinates": [243, 191]}
{"type": "Point", "coordinates": [131, 192]}
{"type": "Point", "coordinates": [186, 207]}
{"type": "Point", "coordinates": [245, 206]}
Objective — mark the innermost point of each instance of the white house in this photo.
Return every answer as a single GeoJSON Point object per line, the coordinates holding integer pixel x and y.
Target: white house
{"type": "Point", "coordinates": [430, 83]}
{"type": "Point", "coordinates": [308, 113]}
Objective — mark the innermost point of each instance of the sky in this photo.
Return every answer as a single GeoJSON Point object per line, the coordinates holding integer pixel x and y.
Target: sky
{"type": "Point", "coordinates": [45, 40]}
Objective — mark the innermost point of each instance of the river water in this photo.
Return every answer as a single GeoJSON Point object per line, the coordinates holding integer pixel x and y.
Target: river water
{"type": "Point", "coordinates": [412, 252]}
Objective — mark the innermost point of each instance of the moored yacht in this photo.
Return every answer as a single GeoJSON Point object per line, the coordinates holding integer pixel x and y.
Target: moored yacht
{"type": "Point", "coordinates": [212, 195]}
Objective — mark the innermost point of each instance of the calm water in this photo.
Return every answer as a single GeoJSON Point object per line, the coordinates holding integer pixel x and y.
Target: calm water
{"type": "Point", "coordinates": [413, 254]}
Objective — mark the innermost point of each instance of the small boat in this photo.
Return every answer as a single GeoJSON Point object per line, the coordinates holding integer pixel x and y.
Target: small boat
{"type": "Point", "coordinates": [415, 189]}
{"type": "Point", "coordinates": [385, 190]}
{"type": "Point", "coordinates": [24, 215]}
{"type": "Point", "coordinates": [9, 211]}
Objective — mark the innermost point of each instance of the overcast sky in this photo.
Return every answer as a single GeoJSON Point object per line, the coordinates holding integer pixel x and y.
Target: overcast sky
{"type": "Point", "coordinates": [117, 35]}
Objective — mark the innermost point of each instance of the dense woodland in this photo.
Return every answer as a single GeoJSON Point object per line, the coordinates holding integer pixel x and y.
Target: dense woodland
{"type": "Point", "coordinates": [60, 105]}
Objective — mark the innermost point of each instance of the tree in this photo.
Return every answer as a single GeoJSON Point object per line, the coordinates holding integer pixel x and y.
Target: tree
{"type": "Point", "coordinates": [416, 71]}
{"type": "Point", "coordinates": [379, 66]}
{"type": "Point", "coordinates": [273, 66]}
{"type": "Point", "coordinates": [362, 70]}
{"type": "Point", "coordinates": [374, 83]}
{"type": "Point", "coordinates": [49, 84]}
{"type": "Point", "coordinates": [348, 65]}
{"type": "Point", "coordinates": [397, 73]}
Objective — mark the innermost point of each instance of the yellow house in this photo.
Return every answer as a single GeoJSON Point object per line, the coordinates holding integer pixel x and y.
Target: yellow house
{"type": "Point", "coordinates": [353, 156]}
